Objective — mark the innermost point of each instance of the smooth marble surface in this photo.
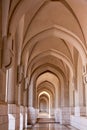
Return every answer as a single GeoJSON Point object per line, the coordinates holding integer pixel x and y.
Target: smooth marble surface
{"type": "Point", "coordinates": [50, 126]}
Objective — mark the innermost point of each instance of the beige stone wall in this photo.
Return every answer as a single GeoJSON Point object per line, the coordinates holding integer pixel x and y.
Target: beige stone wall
{"type": "Point", "coordinates": [0, 31]}
{"type": "Point", "coordinates": [3, 85]}
{"type": "Point", "coordinates": [3, 116]}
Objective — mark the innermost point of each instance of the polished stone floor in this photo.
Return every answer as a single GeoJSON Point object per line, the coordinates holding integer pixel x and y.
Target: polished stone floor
{"type": "Point", "coordinates": [52, 126]}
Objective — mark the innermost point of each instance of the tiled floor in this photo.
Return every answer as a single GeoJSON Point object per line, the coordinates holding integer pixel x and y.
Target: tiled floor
{"type": "Point", "coordinates": [52, 126]}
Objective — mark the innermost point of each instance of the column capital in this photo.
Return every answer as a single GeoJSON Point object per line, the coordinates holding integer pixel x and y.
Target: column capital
{"type": "Point", "coordinates": [74, 83]}
{"type": "Point", "coordinates": [85, 78]}
{"type": "Point", "coordinates": [8, 52]}
{"type": "Point", "coordinates": [85, 69]}
{"type": "Point", "coordinates": [20, 73]}
{"type": "Point", "coordinates": [26, 83]}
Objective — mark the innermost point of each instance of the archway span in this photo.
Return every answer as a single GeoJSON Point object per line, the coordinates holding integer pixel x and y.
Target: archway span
{"type": "Point", "coordinates": [60, 32]}
{"type": "Point", "coordinates": [50, 43]}
{"type": "Point", "coordinates": [22, 7]}
{"type": "Point", "coordinates": [56, 54]}
{"type": "Point", "coordinates": [43, 92]}
{"type": "Point", "coordinates": [47, 68]}
{"type": "Point", "coordinates": [65, 6]}
{"type": "Point", "coordinates": [45, 62]}
{"type": "Point", "coordinates": [48, 85]}
{"type": "Point", "coordinates": [49, 76]}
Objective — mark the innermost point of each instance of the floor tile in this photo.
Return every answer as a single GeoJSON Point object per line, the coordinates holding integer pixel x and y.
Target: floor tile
{"type": "Point", "coordinates": [50, 126]}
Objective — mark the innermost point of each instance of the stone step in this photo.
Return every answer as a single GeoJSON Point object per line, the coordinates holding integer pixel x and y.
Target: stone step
{"type": "Point", "coordinates": [45, 120]}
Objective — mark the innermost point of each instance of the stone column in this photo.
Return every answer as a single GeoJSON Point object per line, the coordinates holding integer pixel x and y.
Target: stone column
{"type": "Point", "coordinates": [65, 110]}
{"type": "Point", "coordinates": [72, 86]}
{"type": "Point", "coordinates": [22, 92]}
{"type": "Point", "coordinates": [24, 99]}
{"type": "Point", "coordinates": [11, 91]}
{"type": "Point", "coordinates": [20, 84]}
{"type": "Point", "coordinates": [2, 85]}
{"type": "Point", "coordinates": [80, 109]}
{"type": "Point", "coordinates": [25, 104]}
{"type": "Point", "coordinates": [86, 97]}
{"type": "Point", "coordinates": [19, 94]}
{"type": "Point", "coordinates": [32, 113]}
{"type": "Point", "coordinates": [8, 56]}
{"type": "Point", "coordinates": [21, 104]}
{"type": "Point", "coordinates": [56, 109]}
{"type": "Point", "coordinates": [56, 97]}
{"type": "Point", "coordinates": [3, 104]}
{"type": "Point", "coordinates": [30, 95]}
{"type": "Point", "coordinates": [22, 96]}
{"type": "Point", "coordinates": [11, 86]}
{"type": "Point", "coordinates": [85, 85]}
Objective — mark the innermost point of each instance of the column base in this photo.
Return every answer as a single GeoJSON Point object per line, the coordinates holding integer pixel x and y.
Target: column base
{"type": "Point", "coordinates": [65, 115]}
{"type": "Point", "coordinates": [72, 110]}
{"type": "Point", "coordinates": [32, 116]}
{"type": "Point", "coordinates": [62, 115]}
{"type": "Point", "coordinates": [57, 115]}
{"type": "Point", "coordinates": [80, 111]}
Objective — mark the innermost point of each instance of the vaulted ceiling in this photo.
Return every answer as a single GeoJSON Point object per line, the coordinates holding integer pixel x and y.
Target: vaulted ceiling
{"type": "Point", "coordinates": [50, 35]}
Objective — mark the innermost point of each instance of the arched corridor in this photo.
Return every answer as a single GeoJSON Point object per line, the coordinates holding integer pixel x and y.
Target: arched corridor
{"type": "Point", "coordinates": [43, 64]}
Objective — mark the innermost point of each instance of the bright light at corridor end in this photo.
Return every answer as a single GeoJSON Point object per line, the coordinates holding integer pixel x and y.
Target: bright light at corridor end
{"type": "Point", "coordinates": [44, 92]}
